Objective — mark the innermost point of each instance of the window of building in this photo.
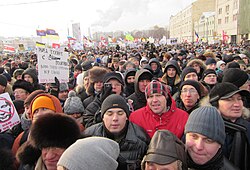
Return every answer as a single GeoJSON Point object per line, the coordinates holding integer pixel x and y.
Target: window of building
{"type": "Point", "coordinates": [226, 20]}
{"type": "Point", "coordinates": [235, 17]}
{"type": "Point", "coordinates": [220, 10]}
{"type": "Point", "coordinates": [235, 4]}
{"type": "Point", "coordinates": [219, 21]}
{"type": "Point", "coordinates": [227, 8]}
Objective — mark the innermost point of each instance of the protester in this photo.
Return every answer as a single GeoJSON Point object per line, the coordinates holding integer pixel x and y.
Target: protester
{"type": "Point", "coordinates": [209, 78]}
{"type": "Point", "coordinates": [22, 89]}
{"type": "Point", "coordinates": [228, 100]}
{"type": "Point", "coordinates": [165, 151]}
{"type": "Point", "coordinates": [129, 79]}
{"type": "Point", "coordinates": [96, 153]}
{"type": "Point", "coordinates": [156, 67]}
{"type": "Point", "coordinates": [63, 92]}
{"type": "Point", "coordinates": [132, 139]}
{"type": "Point", "coordinates": [160, 112]}
{"type": "Point", "coordinates": [30, 75]}
{"type": "Point", "coordinates": [205, 137]}
{"type": "Point", "coordinates": [198, 65]}
{"type": "Point", "coordinates": [138, 99]}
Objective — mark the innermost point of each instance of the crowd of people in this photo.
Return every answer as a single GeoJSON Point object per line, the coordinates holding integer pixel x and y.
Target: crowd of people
{"type": "Point", "coordinates": [148, 107]}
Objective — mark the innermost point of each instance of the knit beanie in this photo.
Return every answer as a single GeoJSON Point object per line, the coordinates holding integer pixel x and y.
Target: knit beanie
{"type": "Point", "coordinates": [236, 76]}
{"type": "Point", "coordinates": [63, 87]}
{"type": "Point", "coordinates": [207, 121]}
{"type": "Point", "coordinates": [32, 95]}
{"type": "Point", "coordinates": [73, 104]}
{"type": "Point", "coordinates": [207, 72]}
{"type": "Point", "coordinates": [22, 84]}
{"type": "Point", "coordinates": [155, 87]}
{"type": "Point", "coordinates": [54, 130]}
{"type": "Point", "coordinates": [210, 61]}
{"type": "Point", "coordinates": [219, 63]}
{"type": "Point", "coordinates": [187, 70]}
{"type": "Point", "coordinates": [114, 101]}
{"type": "Point", "coordinates": [113, 75]}
{"type": "Point", "coordinates": [193, 83]}
{"type": "Point", "coordinates": [3, 80]}
{"type": "Point", "coordinates": [145, 76]}
{"type": "Point", "coordinates": [97, 153]}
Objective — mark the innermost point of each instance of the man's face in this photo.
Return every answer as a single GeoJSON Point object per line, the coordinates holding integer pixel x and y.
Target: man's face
{"type": "Point", "coordinates": [28, 78]}
{"type": "Point", "coordinates": [116, 86]}
{"type": "Point", "coordinates": [189, 96]}
{"type": "Point", "coordinates": [191, 76]}
{"type": "Point", "coordinates": [98, 86]}
{"type": "Point", "coordinates": [231, 108]}
{"type": "Point", "coordinates": [131, 79]}
{"type": "Point", "coordinates": [154, 66]}
{"type": "Point", "coordinates": [115, 120]}
{"type": "Point", "coordinates": [200, 148]}
{"type": "Point", "coordinates": [171, 72]}
{"type": "Point", "coordinates": [155, 166]}
{"type": "Point", "coordinates": [86, 82]}
{"type": "Point", "coordinates": [210, 79]}
{"type": "Point", "coordinates": [51, 156]}
{"type": "Point", "coordinates": [143, 84]}
{"type": "Point", "coordinates": [157, 103]}
{"type": "Point", "coordinates": [20, 94]}
{"type": "Point", "coordinates": [63, 95]}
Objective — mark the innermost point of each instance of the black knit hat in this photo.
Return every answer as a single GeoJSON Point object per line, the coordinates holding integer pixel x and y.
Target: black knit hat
{"type": "Point", "coordinates": [3, 80]}
{"type": "Point", "coordinates": [207, 121]}
{"type": "Point", "coordinates": [113, 75]}
{"type": "Point", "coordinates": [193, 83]}
{"type": "Point", "coordinates": [22, 84]}
{"type": "Point", "coordinates": [187, 70]}
{"type": "Point", "coordinates": [236, 76]}
{"type": "Point", "coordinates": [114, 101]}
{"type": "Point", "coordinates": [210, 61]}
{"type": "Point", "coordinates": [54, 130]}
{"type": "Point", "coordinates": [207, 72]}
{"type": "Point", "coordinates": [225, 90]}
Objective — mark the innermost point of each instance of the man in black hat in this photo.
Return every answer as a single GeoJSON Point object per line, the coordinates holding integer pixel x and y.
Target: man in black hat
{"type": "Point", "coordinates": [22, 89]}
{"type": "Point", "coordinates": [115, 125]}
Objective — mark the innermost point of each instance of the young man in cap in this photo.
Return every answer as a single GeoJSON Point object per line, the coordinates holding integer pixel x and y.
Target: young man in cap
{"type": "Point", "coordinates": [129, 78]}
{"type": "Point", "coordinates": [115, 125]}
{"type": "Point", "coordinates": [160, 112]}
{"type": "Point", "coordinates": [228, 100]}
{"type": "Point", "coordinates": [209, 78]}
{"type": "Point", "coordinates": [205, 137]}
{"type": "Point", "coordinates": [142, 78]}
{"type": "Point", "coordinates": [63, 92]}
{"type": "Point", "coordinates": [165, 151]}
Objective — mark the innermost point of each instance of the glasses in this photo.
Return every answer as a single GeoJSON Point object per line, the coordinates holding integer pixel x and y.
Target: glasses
{"type": "Point", "coordinates": [191, 91]}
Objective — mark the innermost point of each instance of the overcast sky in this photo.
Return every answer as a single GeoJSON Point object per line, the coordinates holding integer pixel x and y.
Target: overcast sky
{"type": "Point", "coordinates": [23, 17]}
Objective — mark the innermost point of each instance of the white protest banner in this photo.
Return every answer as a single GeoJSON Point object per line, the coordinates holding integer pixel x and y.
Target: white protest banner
{"type": "Point", "coordinates": [52, 63]}
{"type": "Point", "coordinates": [8, 114]}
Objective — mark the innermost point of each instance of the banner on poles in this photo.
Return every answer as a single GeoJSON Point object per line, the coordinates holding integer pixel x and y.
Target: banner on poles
{"type": "Point", "coordinates": [52, 63]}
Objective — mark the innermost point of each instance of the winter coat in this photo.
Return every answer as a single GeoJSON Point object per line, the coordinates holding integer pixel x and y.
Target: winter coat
{"type": "Point", "coordinates": [173, 120]}
{"type": "Point", "coordinates": [132, 147]}
{"type": "Point", "coordinates": [138, 98]}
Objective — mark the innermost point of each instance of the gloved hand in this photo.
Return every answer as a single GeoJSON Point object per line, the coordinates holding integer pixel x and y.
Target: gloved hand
{"type": "Point", "coordinates": [107, 90]}
{"type": "Point", "coordinates": [54, 89]}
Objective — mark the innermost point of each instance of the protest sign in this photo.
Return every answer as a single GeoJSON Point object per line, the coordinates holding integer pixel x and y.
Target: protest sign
{"type": "Point", "coordinates": [8, 114]}
{"type": "Point", "coordinates": [52, 63]}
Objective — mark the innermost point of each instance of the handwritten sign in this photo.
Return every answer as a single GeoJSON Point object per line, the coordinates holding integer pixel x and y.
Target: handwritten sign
{"type": "Point", "coordinates": [52, 63]}
{"type": "Point", "coordinates": [8, 114]}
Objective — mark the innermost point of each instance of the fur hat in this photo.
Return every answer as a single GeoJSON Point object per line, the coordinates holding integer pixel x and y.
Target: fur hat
{"type": "Point", "coordinates": [54, 130]}
{"type": "Point", "coordinates": [73, 104]}
{"type": "Point", "coordinates": [22, 84]}
{"type": "Point", "coordinates": [97, 74]}
{"type": "Point", "coordinates": [207, 121]}
{"type": "Point", "coordinates": [18, 72]}
{"type": "Point", "coordinates": [114, 101]}
{"type": "Point", "coordinates": [165, 148]}
{"type": "Point", "coordinates": [96, 153]}
{"type": "Point", "coordinates": [236, 76]}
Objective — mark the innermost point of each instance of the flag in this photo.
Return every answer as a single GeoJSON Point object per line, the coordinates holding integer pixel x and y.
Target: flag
{"type": "Point", "coordinates": [40, 32]}
{"type": "Point", "coordinates": [85, 38]}
{"type": "Point", "coordinates": [38, 44]}
{"type": "Point", "coordinates": [197, 36]}
{"type": "Point", "coordinates": [71, 38]}
{"type": "Point", "coordinates": [129, 37]}
{"type": "Point", "coordinates": [55, 45]}
{"type": "Point", "coordinates": [51, 32]}
{"type": "Point", "coordinates": [8, 48]}
{"type": "Point", "coordinates": [224, 36]}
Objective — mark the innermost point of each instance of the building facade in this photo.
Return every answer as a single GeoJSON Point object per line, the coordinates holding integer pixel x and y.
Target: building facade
{"type": "Point", "coordinates": [181, 25]}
